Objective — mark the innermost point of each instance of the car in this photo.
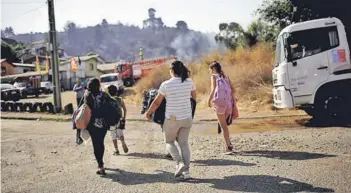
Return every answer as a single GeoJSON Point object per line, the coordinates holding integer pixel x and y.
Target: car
{"type": "Point", "coordinates": [27, 89]}
{"type": "Point", "coordinates": [10, 93]}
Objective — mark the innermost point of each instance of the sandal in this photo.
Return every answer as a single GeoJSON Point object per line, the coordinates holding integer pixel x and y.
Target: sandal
{"type": "Point", "coordinates": [101, 172]}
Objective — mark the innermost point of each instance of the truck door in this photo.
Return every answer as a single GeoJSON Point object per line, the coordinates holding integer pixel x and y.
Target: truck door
{"type": "Point", "coordinates": [309, 60]}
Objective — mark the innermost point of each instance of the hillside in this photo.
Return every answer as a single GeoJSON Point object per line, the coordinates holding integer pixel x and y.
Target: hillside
{"type": "Point", "coordinates": [118, 41]}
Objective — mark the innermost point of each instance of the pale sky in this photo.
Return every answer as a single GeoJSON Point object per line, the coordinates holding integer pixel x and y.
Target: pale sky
{"type": "Point", "coordinates": [202, 15]}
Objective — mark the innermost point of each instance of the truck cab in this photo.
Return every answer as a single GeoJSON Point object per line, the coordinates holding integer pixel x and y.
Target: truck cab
{"type": "Point", "coordinates": [313, 68]}
{"type": "Point", "coordinates": [126, 73]}
{"type": "Point", "coordinates": [111, 79]}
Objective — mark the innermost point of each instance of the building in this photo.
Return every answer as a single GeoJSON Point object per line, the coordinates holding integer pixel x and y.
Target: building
{"type": "Point", "coordinates": [23, 68]}
{"type": "Point", "coordinates": [87, 68]}
{"type": "Point", "coordinates": [7, 68]}
{"type": "Point", "coordinates": [107, 68]}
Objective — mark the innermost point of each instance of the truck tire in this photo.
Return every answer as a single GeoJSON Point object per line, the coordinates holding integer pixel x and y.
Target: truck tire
{"type": "Point", "coordinates": [48, 107]}
{"type": "Point", "coordinates": [27, 107]}
{"type": "Point", "coordinates": [333, 104]}
{"type": "Point", "coordinates": [35, 107]}
{"type": "Point", "coordinates": [18, 107]}
{"type": "Point", "coordinates": [128, 82]}
{"type": "Point", "coordinates": [11, 107]}
{"type": "Point", "coordinates": [4, 107]}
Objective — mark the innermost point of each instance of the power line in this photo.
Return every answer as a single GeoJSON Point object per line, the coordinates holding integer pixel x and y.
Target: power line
{"type": "Point", "coordinates": [17, 16]}
{"type": "Point", "coordinates": [21, 2]}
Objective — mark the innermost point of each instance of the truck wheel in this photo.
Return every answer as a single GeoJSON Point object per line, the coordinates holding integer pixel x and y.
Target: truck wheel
{"type": "Point", "coordinates": [48, 107]}
{"type": "Point", "coordinates": [35, 107]}
{"type": "Point", "coordinates": [18, 107]}
{"type": "Point", "coordinates": [334, 105]}
{"type": "Point", "coordinates": [128, 82]}
{"type": "Point", "coordinates": [311, 111]}
{"type": "Point", "coordinates": [11, 107]}
{"type": "Point", "coordinates": [4, 107]}
{"type": "Point", "coordinates": [27, 107]}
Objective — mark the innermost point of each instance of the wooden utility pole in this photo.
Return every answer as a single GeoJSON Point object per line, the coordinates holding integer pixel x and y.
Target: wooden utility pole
{"type": "Point", "coordinates": [54, 58]}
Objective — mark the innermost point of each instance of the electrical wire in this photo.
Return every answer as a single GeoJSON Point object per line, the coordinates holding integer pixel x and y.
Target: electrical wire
{"type": "Point", "coordinates": [29, 11]}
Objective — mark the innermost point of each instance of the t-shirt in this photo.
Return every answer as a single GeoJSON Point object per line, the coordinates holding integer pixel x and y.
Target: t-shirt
{"type": "Point", "coordinates": [177, 94]}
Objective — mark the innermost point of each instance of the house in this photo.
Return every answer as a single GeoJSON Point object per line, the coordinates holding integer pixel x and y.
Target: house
{"type": "Point", "coordinates": [107, 68]}
{"type": "Point", "coordinates": [86, 69]}
{"type": "Point", "coordinates": [23, 68]}
{"type": "Point", "coordinates": [7, 68]}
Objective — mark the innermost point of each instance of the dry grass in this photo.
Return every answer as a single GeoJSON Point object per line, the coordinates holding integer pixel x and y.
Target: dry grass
{"type": "Point", "coordinates": [248, 69]}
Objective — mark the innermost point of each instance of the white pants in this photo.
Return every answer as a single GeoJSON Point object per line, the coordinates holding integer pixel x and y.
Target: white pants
{"type": "Point", "coordinates": [116, 134]}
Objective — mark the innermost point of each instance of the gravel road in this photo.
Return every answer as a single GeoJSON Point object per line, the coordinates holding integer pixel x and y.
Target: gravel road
{"type": "Point", "coordinates": [42, 157]}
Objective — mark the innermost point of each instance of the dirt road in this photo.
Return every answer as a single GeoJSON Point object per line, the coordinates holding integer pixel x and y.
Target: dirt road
{"type": "Point", "coordinates": [42, 157]}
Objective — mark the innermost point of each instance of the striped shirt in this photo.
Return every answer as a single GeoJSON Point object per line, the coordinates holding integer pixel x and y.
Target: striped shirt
{"type": "Point", "coordinates": [177, 94]}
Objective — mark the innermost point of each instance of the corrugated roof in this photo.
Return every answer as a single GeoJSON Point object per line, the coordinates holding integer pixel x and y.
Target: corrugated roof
{"type": "Point", "coordinates": [106, 67]}
{"type": "Point", "coordinates": [24, 65]}
{"type": "Point", "coordinates": [27, 74]}
{"type": "Point", "coordinates": [82, 58]}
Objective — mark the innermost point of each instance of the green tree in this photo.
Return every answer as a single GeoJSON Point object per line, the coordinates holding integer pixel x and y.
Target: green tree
{"type": "Point", "coordinates": [230, 35]}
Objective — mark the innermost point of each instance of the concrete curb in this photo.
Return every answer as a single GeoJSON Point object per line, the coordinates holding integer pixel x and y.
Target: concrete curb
{"type": "Point", "coordinates": [144, 120]}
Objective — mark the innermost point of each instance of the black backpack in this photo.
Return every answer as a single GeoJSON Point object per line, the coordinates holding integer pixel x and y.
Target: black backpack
{"type": "Point", "coordinates": [159, 115]}
{"type": "Point", "coordinates": [112, 114]}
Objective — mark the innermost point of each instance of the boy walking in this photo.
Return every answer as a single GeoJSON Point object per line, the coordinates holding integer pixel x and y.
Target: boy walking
{"type": "Point", "coordinates": [117, 130]}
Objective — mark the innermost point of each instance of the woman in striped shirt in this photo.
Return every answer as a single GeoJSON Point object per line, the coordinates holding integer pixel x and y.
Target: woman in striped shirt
{"type": "Point", "coordinates": [178, 118]}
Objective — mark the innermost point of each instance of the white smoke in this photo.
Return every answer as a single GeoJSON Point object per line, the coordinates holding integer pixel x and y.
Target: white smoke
{"type": "Point", "coordinates": [192, 45]}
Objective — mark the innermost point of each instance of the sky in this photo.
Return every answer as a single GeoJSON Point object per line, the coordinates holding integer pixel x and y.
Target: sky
{"type": "Point", "coordinates": [202, 15]}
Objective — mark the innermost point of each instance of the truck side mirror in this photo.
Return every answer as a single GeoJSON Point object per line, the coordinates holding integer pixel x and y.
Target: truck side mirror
{"type": "Point", "coordinates": [294, 63]}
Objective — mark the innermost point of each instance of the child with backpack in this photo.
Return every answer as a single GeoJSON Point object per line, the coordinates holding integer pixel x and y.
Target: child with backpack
{"type": "Point", "coordinates": [117, 130]}
{"type": "Point", "coordinates": [222, 100]}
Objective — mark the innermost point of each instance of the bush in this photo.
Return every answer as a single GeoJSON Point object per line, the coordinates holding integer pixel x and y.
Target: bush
{"type": "Point", "coordinates": [249, 69]}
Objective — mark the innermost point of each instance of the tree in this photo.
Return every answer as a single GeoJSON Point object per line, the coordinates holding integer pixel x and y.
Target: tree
{"type": "Point", "coordinates": [276, 12]}
{"type": "Point", "coordinates": [70, 27]}
{"type": "Point", "coordinates": [8, 53]}
{"type": "Point", "coordinates": [8, 32]}
{"type": "Point", "coordinates": [182, 25]}
{"type": "Point", "coordinates": [230, 34]}
{"type": "Point", "coordinates": [104, 23]}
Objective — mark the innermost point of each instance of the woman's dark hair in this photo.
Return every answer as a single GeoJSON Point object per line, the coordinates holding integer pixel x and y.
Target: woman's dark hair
{"type": "Point", "coordinates": [217, 66]}
{"type": "Point", "coordinates": [93, 85]}
{"type": "Point", "coordinates": [180, 70]}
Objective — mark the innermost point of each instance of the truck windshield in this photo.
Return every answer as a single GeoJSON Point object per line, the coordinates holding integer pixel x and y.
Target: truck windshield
{"type": "Point", "coordinates": [109, 79]}
{"type": "Point", "coordinates": [309, 42]}
{"type": "Point", "coordinates": [119, 68]}
{"type": "Point", "coordinates": [279, 51]}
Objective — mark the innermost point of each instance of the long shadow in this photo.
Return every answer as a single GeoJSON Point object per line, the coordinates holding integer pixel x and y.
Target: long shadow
{"type": "Point", "coordinates": [220, 162]}
{"type": "Point", "coordinates": [147, 155]}
{"type": "Point", "coordinates": [320, 123]}
{"type": "Point", "coordinates": [261, 183]}
{"type": "Point", "coordinates": [286, 155]}
{"type": "Point", "coordinates": [132, 178]}
{"type": "Point", "coordinates": [209, 162]}
{"type": "Point", "coordinates": [241, 183]}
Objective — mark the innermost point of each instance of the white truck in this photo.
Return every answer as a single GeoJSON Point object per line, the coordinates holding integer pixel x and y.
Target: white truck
{"type": "Point", "coordinates": [313, 69]}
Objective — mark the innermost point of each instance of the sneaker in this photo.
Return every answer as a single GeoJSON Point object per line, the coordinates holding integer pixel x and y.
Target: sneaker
{"type": "Point", "coordinates": [116, 152]}
{"type": "Point", "coordinates": [179, 171]}
{"type": "Point", "coordinates": [168, 156]}
{"type": "Point", "coordinates": [125, 148]}
{"type": "Point", "coordinates": [185, 176]}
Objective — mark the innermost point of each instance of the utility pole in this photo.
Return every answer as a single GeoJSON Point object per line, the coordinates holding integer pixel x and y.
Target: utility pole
{"type": "Point", "coordinates": [54, 58]}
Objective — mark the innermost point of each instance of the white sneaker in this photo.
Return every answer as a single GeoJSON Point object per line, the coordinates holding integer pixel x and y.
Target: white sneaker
{"type": "Point", "coordinates": [179, 170]}
{"type": "Point", "coordinates": [185, 175]}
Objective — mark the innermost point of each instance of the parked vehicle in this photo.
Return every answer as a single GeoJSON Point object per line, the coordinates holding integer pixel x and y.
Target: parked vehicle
{"type": "Point", "coordinates": [27, 89]}
{"type": "Point", "coordinates": [49, 88]}
{"type": "Point", "coordinates": [10, 93]}
{"type": "Point", "coordinates": [313, 68]}
{"type": "Point", "coordinates": [111, 79]}
{"type": "Point", "coordinates": [130, 72]}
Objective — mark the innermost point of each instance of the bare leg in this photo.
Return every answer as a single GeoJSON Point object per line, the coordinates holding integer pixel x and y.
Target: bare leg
{"type": "Point", "coordinates": [223, 123]}
{"type": "Point", "coordinates": [115, 144]}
